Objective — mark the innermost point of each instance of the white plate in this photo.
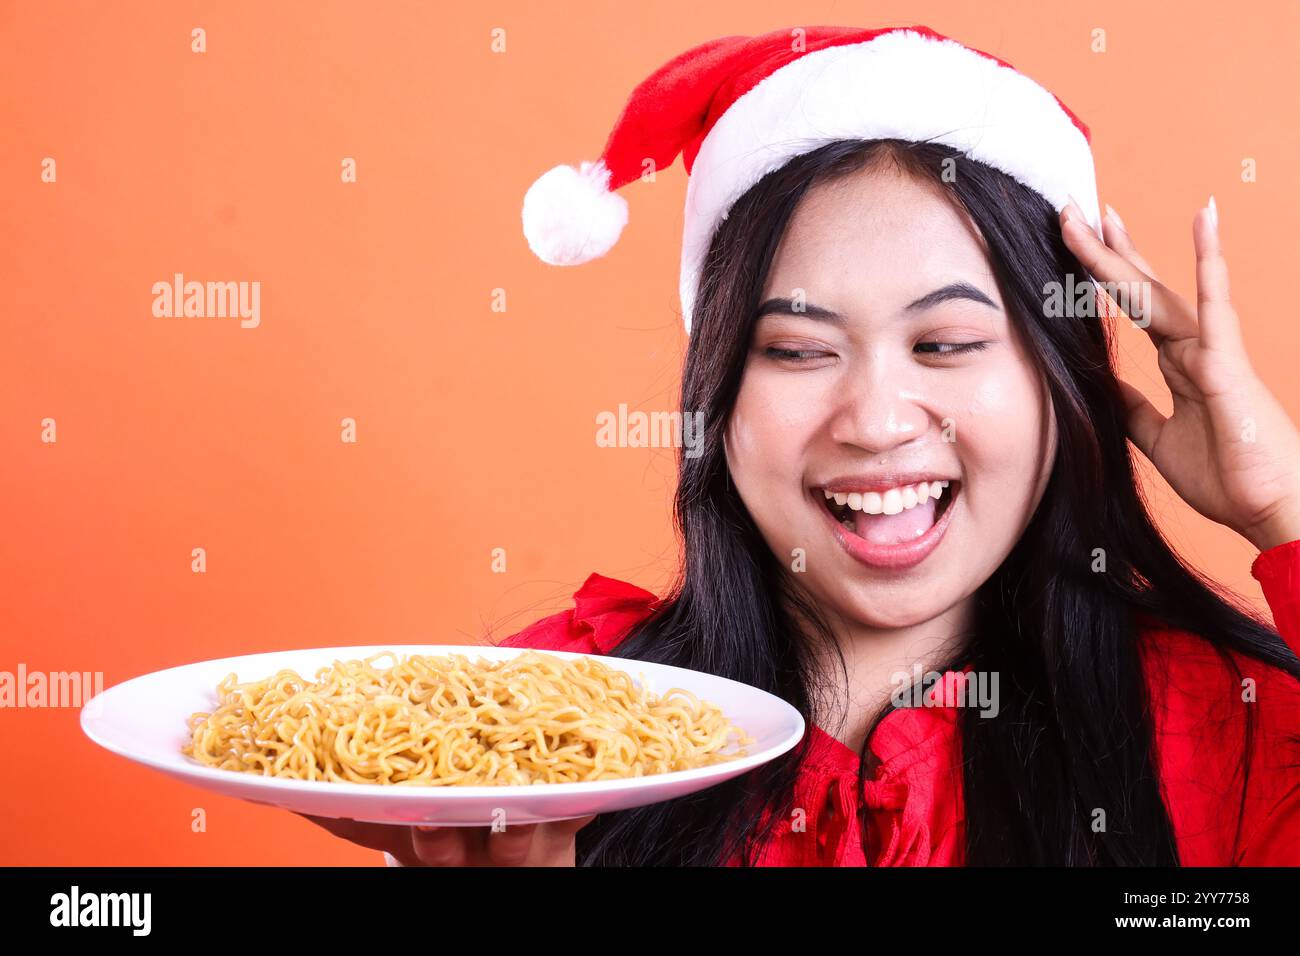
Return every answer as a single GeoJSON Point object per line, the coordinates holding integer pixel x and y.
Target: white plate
{"type": "Point", "coordinates": [144, 719]}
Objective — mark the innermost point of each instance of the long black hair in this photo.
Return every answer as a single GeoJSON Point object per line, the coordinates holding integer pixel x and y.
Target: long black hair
{"type": "Point", "coordinates": [1074, 730]}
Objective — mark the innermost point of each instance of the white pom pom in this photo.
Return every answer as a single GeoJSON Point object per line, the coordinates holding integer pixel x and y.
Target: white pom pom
{"type": "Point", "coordinates": [571, 217]}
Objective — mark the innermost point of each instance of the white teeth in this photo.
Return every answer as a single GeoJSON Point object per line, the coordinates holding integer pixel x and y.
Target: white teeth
{"type": "Point", "coordinates": [890, 502]}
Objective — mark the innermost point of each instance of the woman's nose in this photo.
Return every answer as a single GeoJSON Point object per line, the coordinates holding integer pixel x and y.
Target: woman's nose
{"type": "Point", "coordinates": [878, 411]}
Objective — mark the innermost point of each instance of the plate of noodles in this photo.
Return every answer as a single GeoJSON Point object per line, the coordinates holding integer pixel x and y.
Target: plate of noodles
{"type": "Point", "coordinates": [452, 735]}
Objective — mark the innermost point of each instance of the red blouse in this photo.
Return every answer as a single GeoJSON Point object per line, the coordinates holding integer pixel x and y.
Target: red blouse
{"type": "Point", "coordinates": [916, 795]}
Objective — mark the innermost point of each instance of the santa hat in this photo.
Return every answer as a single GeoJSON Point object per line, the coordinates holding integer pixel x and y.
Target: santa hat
{"type": "Point", "coordinates": [738, 107]}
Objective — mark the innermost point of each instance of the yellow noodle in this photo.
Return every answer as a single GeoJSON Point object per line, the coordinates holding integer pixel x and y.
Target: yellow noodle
{"type": "Point", "coordinates": [450, 721]}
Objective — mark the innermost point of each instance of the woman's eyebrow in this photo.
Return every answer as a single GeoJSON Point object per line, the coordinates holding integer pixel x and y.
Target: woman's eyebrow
{"type": "Point", "coordinates": [780, 306]}
{"type": "Point", "coordinates": [953, 290]}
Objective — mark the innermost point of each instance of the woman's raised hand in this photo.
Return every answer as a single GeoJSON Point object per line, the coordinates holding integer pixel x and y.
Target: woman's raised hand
{"type": "Point", "coordinates": [1229, 448]}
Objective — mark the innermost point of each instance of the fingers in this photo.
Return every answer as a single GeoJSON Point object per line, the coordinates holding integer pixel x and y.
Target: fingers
{"type": "Point", "coordinates": [562, 835]}
{"type": "Point", "coordinates": [441, 846]}
{"type": "Point", "coordinates": [1220, 327]}
{"type": "Point", "coordinates": [511, 846]}
{"type": "Point", "coordinates": [474, 846]}
{"type": "Point", "coordinates": [1116, 235]}
{"type": "Point", "coordinates": [533, 844]}
{"type": "Point", "coordinates": [373, 836]}
{"type": "Point", "coordinates": [1144, 419]}
{"type": "Point", "coordinates": [570, 827]}
{"type": "Point", "coordinates": [1165, 314]}
{"type": "Point", "coordinates": [523, 845]}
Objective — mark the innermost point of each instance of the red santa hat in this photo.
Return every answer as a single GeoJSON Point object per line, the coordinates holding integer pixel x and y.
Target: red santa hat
{"type": "Point", "coordinates": [738, 107]}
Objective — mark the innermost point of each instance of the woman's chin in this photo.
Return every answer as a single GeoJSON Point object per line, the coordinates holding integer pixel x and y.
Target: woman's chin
{"type": "Point", "coordinates": [868, 614]}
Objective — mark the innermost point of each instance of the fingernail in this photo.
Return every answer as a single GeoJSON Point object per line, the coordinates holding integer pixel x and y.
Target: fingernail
{"type": "Point", "coordinates": [1214, 213]}
{"type": "Point", "coordinates": [1074, 213]}
{"type": "Point", "coordinates": [1110, 211]}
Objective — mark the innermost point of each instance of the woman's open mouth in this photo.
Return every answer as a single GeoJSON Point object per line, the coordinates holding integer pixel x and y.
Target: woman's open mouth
{"type": "Point", "coordinates": [895, 527]}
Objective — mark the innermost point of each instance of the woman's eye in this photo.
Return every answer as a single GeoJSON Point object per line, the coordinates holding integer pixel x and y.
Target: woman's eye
{"type": "Point", "coordinates": [794, 355]}
{"type": "Point", "coordinates": [949, 348]}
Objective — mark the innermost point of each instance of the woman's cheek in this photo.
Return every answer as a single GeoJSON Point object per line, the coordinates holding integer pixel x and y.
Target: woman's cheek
{"type": "Point", "coordinates": [989, 397]}
{"type": "Point", "coordinates": [752, 450]}
{"type": "Point", "coordinates": [770, 422]}
{"type": "Point", "coordinates": [1001, 441]}
{"type": "Point", "coordinates": [790, 404]}
{"type": "Point", "coordinates": [766, 438]}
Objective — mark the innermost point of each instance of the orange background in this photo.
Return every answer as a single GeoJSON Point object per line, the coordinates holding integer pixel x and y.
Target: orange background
{"type": "Point", "coordinates": [475, 428]}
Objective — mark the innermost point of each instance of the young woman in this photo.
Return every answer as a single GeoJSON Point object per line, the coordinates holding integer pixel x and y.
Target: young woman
{"type": "Point", "coordinates": [914, 462]}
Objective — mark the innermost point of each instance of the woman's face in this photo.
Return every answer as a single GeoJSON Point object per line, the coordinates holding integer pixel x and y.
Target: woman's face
{"type": "Point", "coordinates": [884, 363]}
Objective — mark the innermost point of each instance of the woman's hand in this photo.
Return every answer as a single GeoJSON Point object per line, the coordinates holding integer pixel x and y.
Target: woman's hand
{"type": "Point", "coordinates": [1229, 449]}
{"type": "Point", "coordinates": [537, 844]}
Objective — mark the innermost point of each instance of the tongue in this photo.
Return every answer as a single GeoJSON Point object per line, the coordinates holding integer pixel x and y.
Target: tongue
{"type": "Point", "coordinates": [908, 525]}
